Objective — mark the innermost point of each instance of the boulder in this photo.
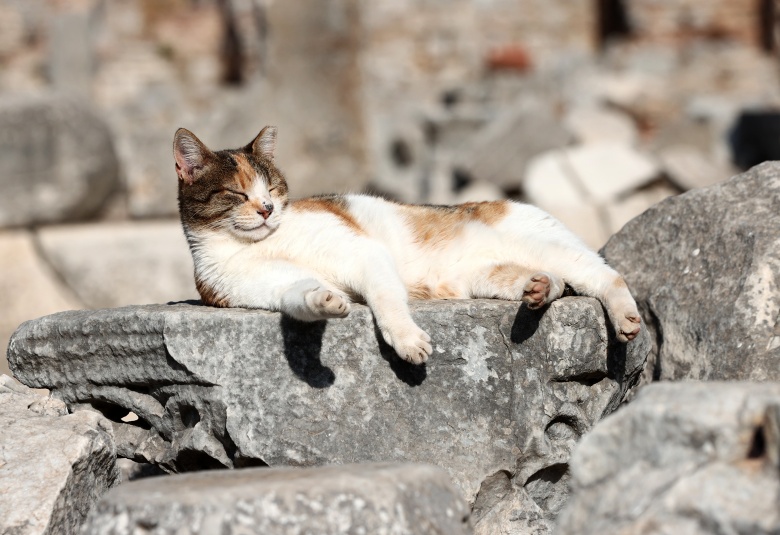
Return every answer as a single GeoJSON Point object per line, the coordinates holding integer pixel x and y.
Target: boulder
{"type": "Point", "coordinates": [594, 124]}
{"type": "Point", "coordinates": [116, 264]}
{"type": "Point", "coordinates": [506, 393]}
{"type": "Point", "coordinates": [58, 160]}
{"type": "Point", "coordinates": [687, 458]}
{"type": "Point", "coordinates": [704, 267]}
{"type": "Point", "coordinates": [53, 465]}
{"type": "Point", "coordinates": [379, 499]}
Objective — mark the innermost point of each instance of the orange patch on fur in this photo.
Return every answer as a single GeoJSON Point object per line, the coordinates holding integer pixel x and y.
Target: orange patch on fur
{"type": "Point", "coordinates": [245, 174]}
{"type": "Point", "coordinates": [331, 205]}
{"type": "Point", "coordinates": [421, 290]}
{"type": "Point", "coordinates": [507, 275]}
{"type": "Point", "coordinates": [432, 224]}
{"type": "Point", "coordinates": [209, 296]}
{"type": "Point", "coordinates": [619, 282]}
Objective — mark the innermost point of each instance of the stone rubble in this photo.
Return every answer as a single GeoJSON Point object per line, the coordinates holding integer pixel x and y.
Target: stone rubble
{"type": "Point", "coordinates": [376, 499]}
{"type": "Point", "coordinates": [506, 393]}
{"type": "Point", "coordinates": [53, 465]}
{"type": "Point", "coordinates": [687, 458]}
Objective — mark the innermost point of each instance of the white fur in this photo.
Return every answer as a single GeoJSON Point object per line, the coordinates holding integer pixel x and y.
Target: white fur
{"type": "Point", "coordinates": [310, 265]}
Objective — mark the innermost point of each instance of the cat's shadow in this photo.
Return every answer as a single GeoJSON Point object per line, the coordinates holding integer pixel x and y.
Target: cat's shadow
{"type": "Point", "coordinates": [302, 348]}
{"type": "Point", "coordinates": [411, 374]}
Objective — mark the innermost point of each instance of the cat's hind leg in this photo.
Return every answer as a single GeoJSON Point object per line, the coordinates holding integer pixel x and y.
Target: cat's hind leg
{"type": "Point", "coordinates": [517, 283]}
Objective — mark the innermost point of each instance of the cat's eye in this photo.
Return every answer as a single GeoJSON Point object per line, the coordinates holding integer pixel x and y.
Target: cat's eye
{"type": "Point", "coordinates": [236, 193]}
{"type": "Point", "coordinates": [272, 189]}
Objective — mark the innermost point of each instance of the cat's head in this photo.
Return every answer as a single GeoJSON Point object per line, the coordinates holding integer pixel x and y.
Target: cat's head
{"type": "Point", "coordinates": [240, 192]}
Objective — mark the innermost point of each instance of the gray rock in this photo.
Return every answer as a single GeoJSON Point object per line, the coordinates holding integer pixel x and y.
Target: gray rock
{"type": "Point", "coordinates": [500, 152]}
{"type": "Point", "coordinates": [685, 458]}
{"type": "Point", "coordinates": [505, 391]}
{"type": "Point", "coordinates": [690, 168]}
{"type": "Point", "coordinates": [372, 499]}
{"type": "Point", "coordinates": [53, 465]}
{"type": "Point", "coordinates": [58, 160]}
{"type": "Point", "coordinates": [704, 268]}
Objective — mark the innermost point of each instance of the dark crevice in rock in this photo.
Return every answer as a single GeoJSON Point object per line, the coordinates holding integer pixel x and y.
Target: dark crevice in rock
{"type": "Point", "coordinates": [563, 426]}
{"type": "Point", "coordinates": [549, 487]}
{"type": "Point", "coordinates": [658, 330]}
{"type": "Point", "coordinates": [758, 444]}
{"type": "Point", "coordinates": [588, 378]}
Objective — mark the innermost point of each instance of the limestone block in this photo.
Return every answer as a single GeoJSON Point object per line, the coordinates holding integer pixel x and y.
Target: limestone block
{"type": "Point", "coordinates": [53, 465]}
{"type": "Point", "coordinates": [507, 390]}
{"type": "Point", "coordinates": [117, 264]}
{"type": "Point", "coordinates": [58, 160]}
{"type": "Point", "coordinates": [692, 458]}
{"type": "Point", "coordinates": [380, 499]}
{"type": "Point", "coordinates": [689, 168]}
{"type": "Point", "coordinates": [704, 267]}
{"type": "Point", "coordinates": [29, 287]}
{"type": "Point", "coordinates": [590, 124]}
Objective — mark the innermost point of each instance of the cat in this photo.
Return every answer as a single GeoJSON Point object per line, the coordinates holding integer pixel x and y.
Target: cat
{"type": "Point", "coordinates": [255, 248]}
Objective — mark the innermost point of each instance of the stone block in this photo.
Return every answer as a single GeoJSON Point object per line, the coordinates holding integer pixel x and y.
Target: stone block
{"type": "Point", "coordinates": [507, 390]}
{"type": "Point", "coordinates": [692, 458]}
{"type": "Point", "coordinates": [377, 499]}
{"type": "Point", "coordinates": [591, 124]}
{"type": "Point", "coordinates": [117, 264]}
{"type": "Point", "coordinates": [53, 465]}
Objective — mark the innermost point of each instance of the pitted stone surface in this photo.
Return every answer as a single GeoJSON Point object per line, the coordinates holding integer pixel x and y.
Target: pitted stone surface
{"type": "Point", "coordinates": [506, 389]}
{"type": "Point", "coordinates": [376, 499]}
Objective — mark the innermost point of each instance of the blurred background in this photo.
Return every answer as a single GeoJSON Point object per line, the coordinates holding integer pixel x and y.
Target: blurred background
{"type": "Point", "coordinates": [592, 109]}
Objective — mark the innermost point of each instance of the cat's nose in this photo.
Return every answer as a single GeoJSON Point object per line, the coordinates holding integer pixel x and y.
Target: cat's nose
{"type": "Point", "coordinates": [266, 209]}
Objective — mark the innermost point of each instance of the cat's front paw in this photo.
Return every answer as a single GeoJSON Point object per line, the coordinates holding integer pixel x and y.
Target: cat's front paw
{"type": "Point", "coordinates": [542, 288]}
{"type": "Point", "coordinates": [411, 343]}
{"type": "Point", "coordinates": [326, 304]}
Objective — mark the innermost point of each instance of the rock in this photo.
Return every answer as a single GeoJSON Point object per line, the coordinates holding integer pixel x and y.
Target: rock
{"type": "Point", "coordinates": [704, 267]}
{"type": "Point", "coordinates": [29, 287]}
{"type": "Point", "coordinates": [506, 391]}
{"type": "Point", "coordinates": [53, 465]}
{"type": "Point", "coordinates": [689, 168]}
{"type": "Point", "coordinates": [500, 152]}
{"type": "Point", "coordinates": [479, 191]}
{"type": "Point", "coordinates": [116, 264]}
{"type": "Point", "coordinates": [608, 170]}
{"type": "Point", "coordinates": [590, 124]}
{"type": "Point", "coordinates": [624, 210]}
{"type": "Point", "coordinates": [692, 458]}
{"type": "Point", "coordinates": [358, 498]}
{"type": "Point", "coordinates": [58, 160]}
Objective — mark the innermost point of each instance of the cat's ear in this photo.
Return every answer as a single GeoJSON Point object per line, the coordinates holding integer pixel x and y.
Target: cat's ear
{"type": "Point", "coordinates": [190, 155]}
{"type": "Point", "coordinates": [264, 144]}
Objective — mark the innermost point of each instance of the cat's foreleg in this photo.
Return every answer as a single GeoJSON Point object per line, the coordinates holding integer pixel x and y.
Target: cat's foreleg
{"type": "Point", "coordinates": [381, 286]}
{"type": "Point", "coordinates": [294, 291]}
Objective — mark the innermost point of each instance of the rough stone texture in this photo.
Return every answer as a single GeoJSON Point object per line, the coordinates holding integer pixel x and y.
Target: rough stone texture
{"type": "Point", "coordinates": [506, 391]}
{"type": "Point", "coordinates": [377, 499]}
{"type": "Point", "coordinates": [29, 287]}
{"type": "Point", "coordinates": [705, 269]}
{"type": "Point", "coordinates": [53, 465]}
{"type": "Point", "coordinates": [58, 160]}
{"type": "Point", "coordinates": [117, 264]}
{"type": "Point", "coordinates": [685, 458]}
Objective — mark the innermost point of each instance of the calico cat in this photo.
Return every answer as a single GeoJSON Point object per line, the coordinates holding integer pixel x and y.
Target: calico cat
{"type": "Point", "coordinates": [253, 247]}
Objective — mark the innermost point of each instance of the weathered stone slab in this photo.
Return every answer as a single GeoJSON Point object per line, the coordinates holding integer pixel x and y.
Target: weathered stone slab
{"type": "Point", "coordinates": [704, 267]}
{"type": "Point", "coordinates": [58, 160]}
{"type": "Point", "coordinates": [689, 458]}
{"type": "Point", "coordinates": [507, 390]}
{"type": "Point", "coordinates": [360, 498]}
{"type": "Point", "coordinates": [53, 465]}
{"type": "Point", "coordinates": [141, 262]}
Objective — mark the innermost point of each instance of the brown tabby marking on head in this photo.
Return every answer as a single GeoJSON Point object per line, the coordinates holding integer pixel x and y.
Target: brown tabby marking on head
{"type": "Point", "coordinates": [333, 205]}
{"type": "Point", "coordinates": [435, 224]}
{"type": "Point", "coordinates": [209, 295]}
{"type": "Point", "coordinates": [245, 173]}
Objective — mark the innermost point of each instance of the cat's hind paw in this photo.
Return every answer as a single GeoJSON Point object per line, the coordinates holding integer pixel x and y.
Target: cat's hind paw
{"type": "Point", "coordinates": [541, 289]}
{"type": "Point", "coordinates": [327, 304]}
{"type": "Point", "coordinates": [627, 328]}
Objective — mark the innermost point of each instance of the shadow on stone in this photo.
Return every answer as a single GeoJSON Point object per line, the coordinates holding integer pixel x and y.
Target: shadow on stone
{"type": "Point", "coordinates": [411, 374]}
{"type": "Point", "coordinates": [302, 347]}
{"type": "Point", "coordinates": [526, 323]}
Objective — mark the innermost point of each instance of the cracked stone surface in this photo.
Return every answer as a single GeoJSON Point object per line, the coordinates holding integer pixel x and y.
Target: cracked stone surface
{"type": "Point", "coordinates": [683, 458]}
{"type": "Point", "coordinates": [704, 268]}
{"type": "Point", "coordinates": [53, 465]}
{"type": "Point", "coordinates": [500, 405]}
{"type": "Point", "coordinates": [376, 499]}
